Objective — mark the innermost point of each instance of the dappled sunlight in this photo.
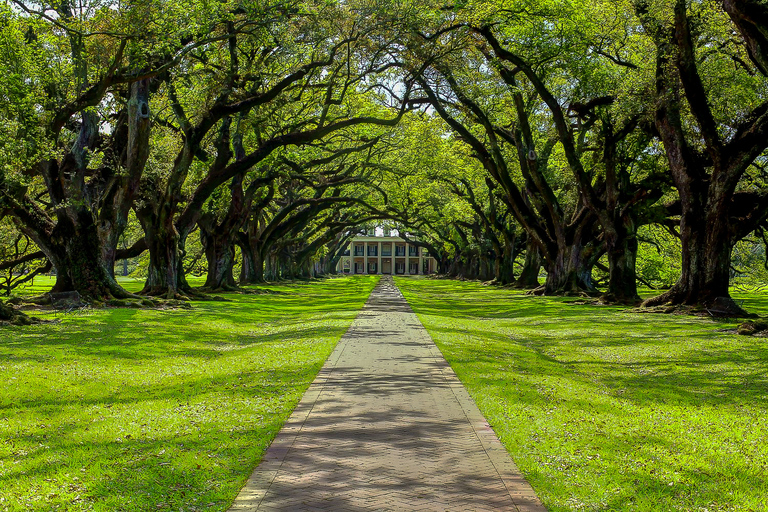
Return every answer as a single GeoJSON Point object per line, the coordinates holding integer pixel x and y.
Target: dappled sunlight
{"type": "Point", "coordinates": [130, 409]}
{"type": "Point", "coordinates": [606, 409]}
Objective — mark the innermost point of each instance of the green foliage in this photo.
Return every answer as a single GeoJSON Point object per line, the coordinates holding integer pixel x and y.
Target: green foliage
{"type": "Point", "coordinates": [22, 78]}
{"type": "Point", "coordinates": [267, 69]}
{"type": "Point", "coordinates": [748, 268]}
{"type": "Point", "coordinates": [658, 257]}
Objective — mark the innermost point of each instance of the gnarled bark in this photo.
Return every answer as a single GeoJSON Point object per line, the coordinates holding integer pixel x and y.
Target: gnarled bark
{"type": "Point", "coordinates": [529, 275]}
{"type": "Point", "coordinates": [165, 262]}
{"type": "Point", "coordinates": [706, 182]}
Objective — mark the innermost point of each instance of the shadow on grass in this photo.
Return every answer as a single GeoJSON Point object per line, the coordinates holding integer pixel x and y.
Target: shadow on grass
{"type": "Point", "coordinates": [149, 410]}
{"type": "Point", "coordinates": [608, 410]}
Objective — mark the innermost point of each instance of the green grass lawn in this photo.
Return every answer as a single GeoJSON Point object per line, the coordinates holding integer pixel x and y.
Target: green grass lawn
{"type": "Point", "coordinates": [606, 410]}
{"type": "Point", "coordinates": [137, 410]}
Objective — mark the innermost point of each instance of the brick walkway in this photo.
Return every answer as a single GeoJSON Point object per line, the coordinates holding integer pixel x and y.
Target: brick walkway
{"type": "Point", "coordinates": [386, 426]}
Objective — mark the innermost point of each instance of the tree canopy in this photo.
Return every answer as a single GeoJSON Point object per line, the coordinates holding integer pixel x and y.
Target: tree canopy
{"type": "Point", "coordinates": [590, 139]}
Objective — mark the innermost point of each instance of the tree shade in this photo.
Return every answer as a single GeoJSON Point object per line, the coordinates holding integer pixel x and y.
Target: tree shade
{"type": "Point", "coordinates": [253, 140]}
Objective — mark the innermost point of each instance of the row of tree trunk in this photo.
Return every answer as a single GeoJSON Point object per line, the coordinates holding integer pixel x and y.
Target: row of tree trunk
{"type": "Point", "coordinates": [604, 216]}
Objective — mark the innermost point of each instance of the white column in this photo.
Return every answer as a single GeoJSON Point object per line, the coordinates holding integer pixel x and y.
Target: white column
{"type": "Point", "coordinates": [421, 260]}
{"type": "Point", "coordinates": [378, 254]}
{"type": "Point", "coordinates": [407, 259]}
{"type": "Point", "coordinates": [365, 257]}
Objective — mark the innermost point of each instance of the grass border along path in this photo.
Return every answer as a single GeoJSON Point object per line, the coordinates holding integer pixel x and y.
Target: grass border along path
{"type": "Point", "coordinates": [138, 410]}
{"type": "Point", "coordinates": [605, 410]}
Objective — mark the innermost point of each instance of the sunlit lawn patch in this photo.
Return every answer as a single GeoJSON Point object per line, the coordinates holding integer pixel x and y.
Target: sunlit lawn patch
{"type": "Point", "coordinates": [124, 409]}
{"type": "Point", "coordinates": [606, 410]}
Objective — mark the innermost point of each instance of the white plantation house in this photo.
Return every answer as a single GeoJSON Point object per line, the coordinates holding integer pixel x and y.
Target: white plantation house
{"type": "Point", "coordinates": [385, 255]}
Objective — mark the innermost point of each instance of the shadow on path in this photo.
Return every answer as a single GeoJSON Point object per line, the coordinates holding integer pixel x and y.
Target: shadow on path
{"type": "Point", "coordinates": [386, 426]}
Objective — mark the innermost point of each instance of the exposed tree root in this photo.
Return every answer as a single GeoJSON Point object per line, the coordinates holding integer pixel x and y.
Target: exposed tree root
{"type": "Point", "coordinates": [12, 316]}
{"type": "Point", "coordinates": [609, 298]}
{"type": "Point", "coordinates": [204, 292]}
{"type": "Point", "coordinates": [670, 296]}
{"type": "Point", "coordinates": [542, 290]}
{"type": "Point", "coordinates": [758, 328]}
{"type": "Point", "coordinates": [44, 303]}
{"type": "Point", "coordinates": [667, 309]}
{"type": "Point", "coordinates": [38, 300]}
{"type": "Point", "coordinates": [122, 294]}
{"type": "Point", "coordinates": [145, 303]}
{"type": "Point", "coordinates": [164, 292]}
{"type": "Point", "coordinates": [521, 284]}
{"type": "Point", "coordinates": [676, 300]}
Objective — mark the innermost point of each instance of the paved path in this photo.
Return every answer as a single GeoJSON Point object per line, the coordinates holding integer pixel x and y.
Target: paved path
{"type": "Point", "coordinates": [386, 426]}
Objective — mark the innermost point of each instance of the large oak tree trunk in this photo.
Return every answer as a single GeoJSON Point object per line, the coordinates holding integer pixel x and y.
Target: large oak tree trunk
{"type": "Point", "coordinates": [269, 267]}
{"type": "Point", "coordinates": [164, 258]}
{"type": "Point", "coordinates": [529, 275]}
{"type": "Point", "coordinates": [75, 253]}
{"type": "Point", "coordinates": [74, 249]}
{"type": "Point", "coordinates": [505, 263]}
{"type": "Point", "coordinates": [471, 268]}
{"type": "Point", "coordinates": [113, 218]}
{"type": "Point", "coordinates": [331, 263]}
{"type": "Point", "coordinates": [706, 256]}
{"type": "Point", "coordinates": [569, 275]}
{"type": "Point", "coordinates": [285, 268]}
{"type": "Point", "coordinates": [704, 229]}
{"type": "Point", "coordinates": [252, 268]}
{"type": "Point", "coordinates": [706, 185]}
{"type": "Point", "coordinates": [220, 254]}
{"type": "Point", "coordinates": [90, 208]}
{"type": "Point", "coordinates": [305, 269]}
{"type": "Point", "coordinates": [569, 272]}
{"type": "Point", "coordinates": [485, 270]}
{"type": "Point", "coordinates": [444, 264]}
{"type": "Point", "coordinates": [622, 270]}
{"type": "Point", "coordinates": [455, 266]}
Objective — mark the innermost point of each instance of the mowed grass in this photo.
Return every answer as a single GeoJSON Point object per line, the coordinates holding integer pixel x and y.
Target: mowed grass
{"type": "Point", "coordinates": [138, 410]}
{"type": "Point", "coordinates": [607, 410]}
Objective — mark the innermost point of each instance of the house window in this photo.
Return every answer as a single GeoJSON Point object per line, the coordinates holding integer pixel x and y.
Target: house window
{"type": "Point", "coordinates": [371, 267]}
{"type": "Point", "coordinates": [373, 250]}
{"type": "Point", "coordinates": [413, 251]}
{"type": "Point", "coordinates": [400, 268]}
{"type": "Point", "coordinates": [400, 250]}
{"type": "Point", "coordinates": [359, 250]}
{"type": "Point", "coordinates": [413, 268]}
{"type": "Point", "coordinates": [386, 250]}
